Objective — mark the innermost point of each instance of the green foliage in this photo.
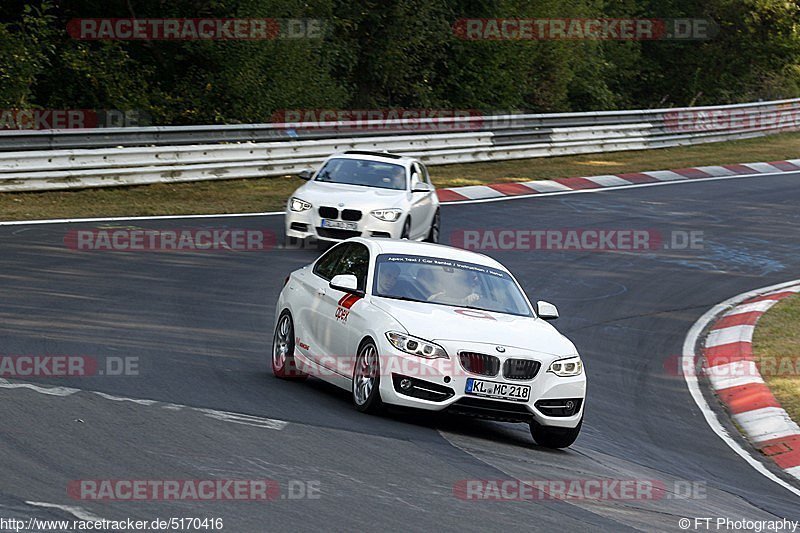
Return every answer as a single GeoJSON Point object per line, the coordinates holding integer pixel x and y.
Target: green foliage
{"type": "Point", "coordinates": [25, 49]}
{"type": "Point", "coordinates": [392, 53]}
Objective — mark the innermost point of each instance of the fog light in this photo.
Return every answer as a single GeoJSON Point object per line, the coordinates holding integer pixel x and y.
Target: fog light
{"type": "Point", "coordinates": [405, 384]}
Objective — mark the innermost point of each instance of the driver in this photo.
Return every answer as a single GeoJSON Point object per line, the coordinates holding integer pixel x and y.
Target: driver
{"type": "Point", "coordinates": [388, 278]}
{"type": "Point", "coordinates": [389, 282]}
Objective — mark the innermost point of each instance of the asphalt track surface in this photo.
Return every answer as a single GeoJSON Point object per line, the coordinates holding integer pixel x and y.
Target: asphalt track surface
{"type": "Point", "coordinates": [201, 326]}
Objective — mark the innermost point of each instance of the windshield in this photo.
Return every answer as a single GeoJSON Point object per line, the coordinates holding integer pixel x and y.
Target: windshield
{"type": "Point", "coordinates": [447, 282]}
{"type": "Point", "coordinates": [362, 172]}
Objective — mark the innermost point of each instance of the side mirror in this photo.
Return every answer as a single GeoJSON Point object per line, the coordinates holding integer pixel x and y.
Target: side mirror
{"type": "Point", "coordinates": [305, 174]}
{"type": "Point", "coordinates": [346, 283]}
{"type": "Point", "coordinates": [546, 310]}
{"type": "Point", "coordinates": [420, 186]}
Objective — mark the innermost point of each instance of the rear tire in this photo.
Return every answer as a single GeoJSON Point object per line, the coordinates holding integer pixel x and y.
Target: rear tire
{"type": "Point", "coordinates": [367, 379]}
{"type": "Point", "coordinates": [553, 437]}
{"type": "Point", "coordinates": [433, 234]}
{"type": "Point", "coordinates": [283, 364]}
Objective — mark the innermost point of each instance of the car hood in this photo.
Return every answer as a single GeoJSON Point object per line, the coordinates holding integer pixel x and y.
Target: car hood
{"type": "Point", "coordinates": [441, 323]}
{"type": "Point", "coordinates": [320, 193]}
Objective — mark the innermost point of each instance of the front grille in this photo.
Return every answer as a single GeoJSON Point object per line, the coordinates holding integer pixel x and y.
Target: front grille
{"type": "Point", "coordinates": [521, 369]}
{"type": "Point", "coordinates": [351, 215]}
{"type": "Point", "coordinates": [562, 407]}
{"type": "Point", "coordinates": [341, 234]}
{"type": "Point", "coordinates": [328, 212]}
{"type": "Point", "coordinates": [479, 363]}
{"type": "Point", "coordinates": [492, 410]}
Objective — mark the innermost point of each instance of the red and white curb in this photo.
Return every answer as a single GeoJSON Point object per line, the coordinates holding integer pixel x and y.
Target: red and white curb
{"type": "Point", "coordinates": [775, 426]}
{"type": "Point", "coordinates": [733, 375]}
{"type": "Point", "coordinates": [561, 185]}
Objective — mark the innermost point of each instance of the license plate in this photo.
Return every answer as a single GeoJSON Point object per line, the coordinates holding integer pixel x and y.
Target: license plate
{"type": "Point", "coordinates": [338, 224]}
{"type": "Point", "coordinates": [494, 389]}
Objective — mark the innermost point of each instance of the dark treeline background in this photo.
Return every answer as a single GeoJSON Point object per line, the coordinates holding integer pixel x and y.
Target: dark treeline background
{"type": "Point", "coordinates": [392, 53]}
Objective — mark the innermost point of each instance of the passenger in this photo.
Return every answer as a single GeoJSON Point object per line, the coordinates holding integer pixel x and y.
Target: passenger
{"type": "Point", "coordinates": [398, 179]}
{"type": "Point", "coordinates": [462, 290]}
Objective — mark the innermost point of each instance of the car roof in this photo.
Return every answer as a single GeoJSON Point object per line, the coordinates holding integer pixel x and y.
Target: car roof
{"type": "Point", "coordinates": [384, 157]}
{"type": "Point", "coordinates": [403, 246]}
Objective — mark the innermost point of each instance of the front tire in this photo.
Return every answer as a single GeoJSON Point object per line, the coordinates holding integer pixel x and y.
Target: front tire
{"type": "Point", "coordinates": [553, 437]}
{"type": "Point", "coordinates": [433, 235]}
{"type": "Point", "coordinates": [283, 364]}
{"type": "Point", "coordinates": [406, 233]}
{"type": "Point", "coordinates": [367, 379]}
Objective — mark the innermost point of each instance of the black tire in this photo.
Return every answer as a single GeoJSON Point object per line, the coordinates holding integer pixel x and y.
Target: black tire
{"type": "Point", "coordinates": [367, 397]}
{"type": "Point", "coordinates": [406, 233]}
{"type": "Point", "coordinates": [433, 234]}
{"type": "Point", "coordinates": [552, 437]}
{"type": "Point", "coordinates": [283, 364]}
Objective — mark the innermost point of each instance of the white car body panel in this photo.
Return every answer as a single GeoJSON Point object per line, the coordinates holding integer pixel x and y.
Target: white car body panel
{"type": "Point", "coordinates": [326, 345]}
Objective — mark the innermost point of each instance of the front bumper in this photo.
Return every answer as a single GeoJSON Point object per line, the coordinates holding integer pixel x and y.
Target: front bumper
{"type": "Point", "coordinates": [308, 224]}
{"type": "Point", "coordinates": [443, 382]}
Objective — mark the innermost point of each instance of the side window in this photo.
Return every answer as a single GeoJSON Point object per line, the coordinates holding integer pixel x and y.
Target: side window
{"type": "Point", "coordinates": [355, 261]}
{"type": "Point", "coordinates": [425, 177]}
{"type": "Point", "coordinates": [326, 265]}
{"type": "Point", "coordinates": [418, 171]}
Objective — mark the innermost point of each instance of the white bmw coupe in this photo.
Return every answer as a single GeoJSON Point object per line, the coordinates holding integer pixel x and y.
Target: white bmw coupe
{"type": "Point", "coordinates": [430, 327]}
{"type": "Point", "coordinates": [369, 194]}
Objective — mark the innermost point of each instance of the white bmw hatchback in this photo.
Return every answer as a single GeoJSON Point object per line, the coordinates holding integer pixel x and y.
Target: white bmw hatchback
{"type": "Point", "coordinates": [429, 327]}
{"type": "Point", "coordinates": [370, 194]}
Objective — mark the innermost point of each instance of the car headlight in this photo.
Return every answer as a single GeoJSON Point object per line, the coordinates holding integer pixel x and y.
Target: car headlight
{"type": "Point", "coordinates": [565, 368]}
{"type": "Point", "coordinates": [296, 204]}
{"type": "Point", "coordinates": [387, 215]}
{"type": "Point", "coordinates": [416, 346]}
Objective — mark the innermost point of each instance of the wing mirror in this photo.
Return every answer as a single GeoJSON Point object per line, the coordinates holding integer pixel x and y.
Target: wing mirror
{"type": "Point", "coordinates": [305, 174]}
{"type": "Point", "coordinates": [346, 283]}
{"type": "Point", "coordinates": [546, 310]}
{"type": "Point", "coordinates": [420, 186]}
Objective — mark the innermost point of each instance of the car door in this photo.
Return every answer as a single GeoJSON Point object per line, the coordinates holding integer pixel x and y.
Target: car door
{"type": "Point", "coordinates": [347, 326]}
{"type": "Point", "coordinates": [312, 320]}
{"type": "Point", "coordinates": [422, 206]}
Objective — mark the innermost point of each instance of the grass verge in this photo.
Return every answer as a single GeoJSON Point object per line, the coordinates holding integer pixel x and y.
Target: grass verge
{"type": "Point", "coordinates": [270, 194]}
{"type": "Point", "coordinates": [776, 349]}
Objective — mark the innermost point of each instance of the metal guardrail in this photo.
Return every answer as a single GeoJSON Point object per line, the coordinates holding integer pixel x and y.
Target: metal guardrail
{"type": "Point", "coordinates": [130, 156]}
